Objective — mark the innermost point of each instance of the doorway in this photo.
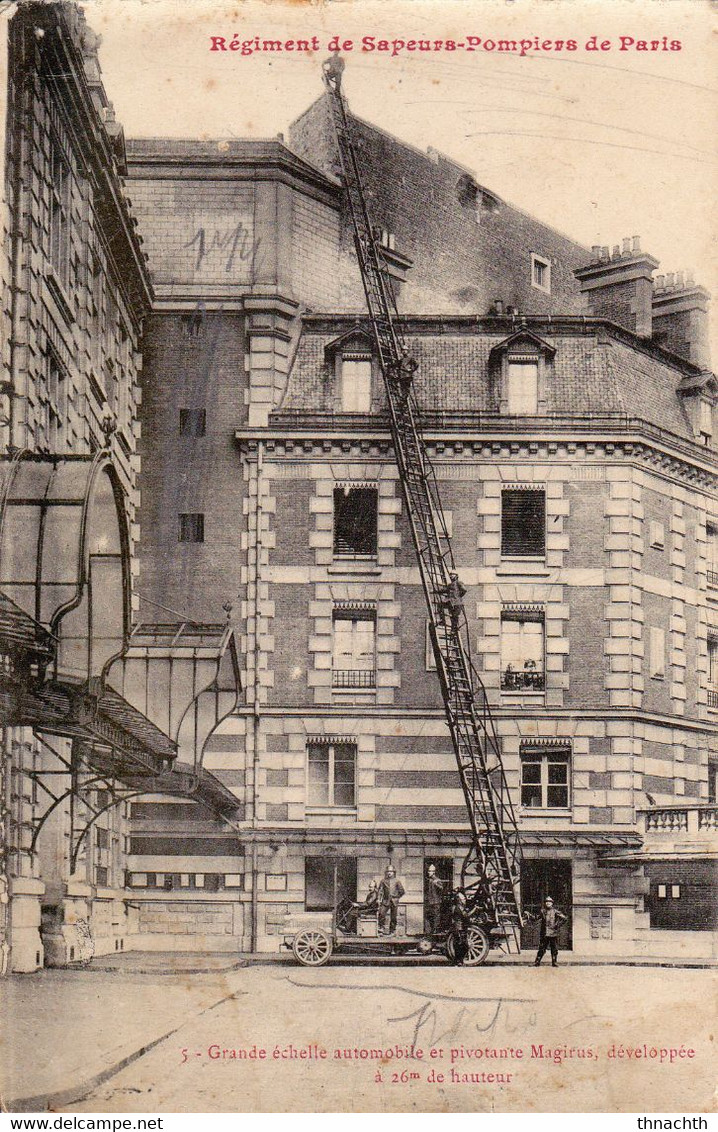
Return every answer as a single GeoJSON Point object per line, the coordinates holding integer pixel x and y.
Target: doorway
{"type": "Point", "coordinates": [319, 880]}
{"type": "Point", "coordinates": [539, 879]}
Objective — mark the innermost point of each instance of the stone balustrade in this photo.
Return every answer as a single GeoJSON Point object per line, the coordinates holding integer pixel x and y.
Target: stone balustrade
{"type": "Point", "coordinates": [688, 821]}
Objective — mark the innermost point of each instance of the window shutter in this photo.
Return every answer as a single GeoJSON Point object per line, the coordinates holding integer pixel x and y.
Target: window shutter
{"type": "Point", "coordinates": [523, 523]}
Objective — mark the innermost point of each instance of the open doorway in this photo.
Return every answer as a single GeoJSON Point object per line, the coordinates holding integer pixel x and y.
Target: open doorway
{"type": "Point", "coordinates": [319, 879]}
{"type": "Point", "coordinates": [539, 879]}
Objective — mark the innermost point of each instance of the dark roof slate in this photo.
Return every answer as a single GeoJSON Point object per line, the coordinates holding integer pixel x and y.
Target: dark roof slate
{"type": "Point", "coordinates": [591, 372]}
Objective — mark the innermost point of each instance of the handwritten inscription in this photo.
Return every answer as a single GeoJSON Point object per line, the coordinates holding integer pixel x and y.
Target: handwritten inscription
{"type": "Point", "coordinates": [222, 246]}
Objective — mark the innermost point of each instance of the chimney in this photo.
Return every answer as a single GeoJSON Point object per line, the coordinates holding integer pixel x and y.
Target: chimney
{"type": "Point", "coordinates": [680, 318]}
{"type": "Point", "coordinates": [618, 285]}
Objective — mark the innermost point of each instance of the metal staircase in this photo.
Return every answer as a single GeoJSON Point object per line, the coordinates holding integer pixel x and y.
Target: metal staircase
{"type": "Point", "coordinates": [490, 870]}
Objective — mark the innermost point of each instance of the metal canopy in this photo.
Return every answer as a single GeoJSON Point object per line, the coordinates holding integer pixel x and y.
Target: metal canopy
{"type": "Point", "coordinates": [185, 676]}
{"type": "Point", "coordinates": [129, 743]}
{"type": "Point", "coordinates": [570, 839]}
{"type": "Point", "coordinates": [65, 557]}
{"type": "Point", "coordinates": [67, 654]}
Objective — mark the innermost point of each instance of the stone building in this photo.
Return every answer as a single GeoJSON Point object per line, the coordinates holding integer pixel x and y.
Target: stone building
{"type": "Point", "coordinates": [216, 689]}
{"type": "Point", "coordinates": [575, 456]}
{"type": "Point", "coordinates": [74, 292]}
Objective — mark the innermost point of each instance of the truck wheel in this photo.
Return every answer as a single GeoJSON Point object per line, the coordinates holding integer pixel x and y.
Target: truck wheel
{"type": "Point", "coordinates": [478, 947]}
{"type": "Point", "coordinates": [312, 948]}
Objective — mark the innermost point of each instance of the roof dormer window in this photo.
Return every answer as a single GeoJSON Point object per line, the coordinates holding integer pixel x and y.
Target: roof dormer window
{"type": "Point", "coordinates": [350, 357]}
{"type": "Point", "coordinates": [355, 379]}
{"type": "Point", "coordinates": [541, 273]}
{"type": "Point", "coordinates": [522, 387]}
{"type": "Point", "coordinates": [520, 366]}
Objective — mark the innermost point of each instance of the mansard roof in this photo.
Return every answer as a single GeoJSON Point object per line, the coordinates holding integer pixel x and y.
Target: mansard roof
{"type": "Point", "coordinates": [595, 368]}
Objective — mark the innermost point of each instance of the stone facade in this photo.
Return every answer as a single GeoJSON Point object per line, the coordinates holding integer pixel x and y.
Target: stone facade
{"type": "Point", "coordinates": [594, 641]}
{"type": "Point", "coordinates": [74, 293]}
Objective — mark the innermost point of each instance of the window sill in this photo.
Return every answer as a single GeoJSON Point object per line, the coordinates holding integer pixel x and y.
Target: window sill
{"type": "Point", "coordinates": [349, 695]}
{"type": "Point", "coordinates": [544, 812]}
{"type": "Point", "coordinates": [354, 566]}
{"type": "Point", "coordinates": [536, 566]}
{"type": "Point", "coordinates": [330, 811]}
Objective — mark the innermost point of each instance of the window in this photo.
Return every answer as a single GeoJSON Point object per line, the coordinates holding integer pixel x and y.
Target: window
{"type": "Point", "coordinates": [191, 528]}
{"type": "Point", "coordinates": [712, 553]}
{"type": "Point", "coordinates": [60, 189]}
{"type": "Point", "coordinates": [713, 672]}
{"type": "Point", "coordinates": [193, 422]}
{"type": "Point", "coordinates": [706, 422]}
{"type": "Point", "coordinates": [331, 774]}
{"type": "Point", "coordinates": [54, 401]}
{"type": "Point", "coordinates": [522, 388]}
{"type": "Point", "coordinates": [523, 523]}
{"type": "Point", "coordinates": [522, 650]}
{"type": "Point", "coordinates": [656, 535]}
{"type": "Point", "coordinates": [430, 658]}
{"type": "Point", "coordinates": [713, 782]}
{"type": "Point", "coordinates": [355, 522]}
{"type": "Point", "coordinates": [657, 653]}
{"type": "Point", "coordinates": [540, 273]}
{"type": "Point", "coordinates": [101, 876]}
{"type": "Point", "coordinates": [328, 881]}
{"type": "Point", "coordinates": [354, 649]}
{"type": "Point", "coordinates": [545, 777]}
{"type": "Point", "coordinates": [356, 384]}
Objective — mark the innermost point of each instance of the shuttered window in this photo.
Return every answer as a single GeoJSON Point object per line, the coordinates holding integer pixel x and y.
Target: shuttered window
{"type": "Point", "coordinates": [522, 388]}
{"type": "Point", "coordinates": [193, 422]}
{"type": "Point", "coordinates": [355, 522]}
{"type": "Point", "coordinates": [523, 523]}
{"type": "Point", "coordinates": [356, 384]}
{"type": "Point", "coordinates": [191, 527]}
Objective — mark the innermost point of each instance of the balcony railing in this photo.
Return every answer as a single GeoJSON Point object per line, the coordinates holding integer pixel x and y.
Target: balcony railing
{"type": "Point", "coordinates": [712, 576]}
{"type": "Point", "coordinates": [526, 680]}
{"type": "Point", "coordinates": [713, 697]}
{"type": "Point", "coordinates": [667, 821]}
{"type": "Point", "coordinates": [353, 678]}
{"type": "Point", "coordinates": [681, 822]}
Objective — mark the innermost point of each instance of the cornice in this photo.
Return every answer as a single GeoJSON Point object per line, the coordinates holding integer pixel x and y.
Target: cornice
{"type": "Point", "coordinates": [663, 457]}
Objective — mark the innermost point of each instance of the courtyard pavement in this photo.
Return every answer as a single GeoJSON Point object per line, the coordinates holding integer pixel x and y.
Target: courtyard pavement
{"type": "Point", "coordinates": [134, 1033]}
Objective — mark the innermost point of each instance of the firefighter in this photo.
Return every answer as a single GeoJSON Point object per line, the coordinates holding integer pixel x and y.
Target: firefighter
{"type": "Point", "coordinates": [405, 370]}
{"type": "Point", "coordinates": [460, 925]}
{"type": "Point", "coordinates": [435, 893]}
{"type": "Point", "coordinates": [453, 598]}
{"type": "Point", "coordinates": [391, 891]}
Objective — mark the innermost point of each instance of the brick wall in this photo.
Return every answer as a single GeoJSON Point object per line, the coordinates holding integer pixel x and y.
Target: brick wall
{"type": "Point", "coordinates": [184, 474]}
{"type": "Point", "coordinates": [461, 263]}
{"type": "Point", "coordinates": [197, 232]}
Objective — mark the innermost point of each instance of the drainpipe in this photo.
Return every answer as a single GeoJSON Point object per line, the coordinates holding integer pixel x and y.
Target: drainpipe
{"type": "Point", "coordinates": [256, 705]}
{"type": "Point", "coordinates": [5, 827]}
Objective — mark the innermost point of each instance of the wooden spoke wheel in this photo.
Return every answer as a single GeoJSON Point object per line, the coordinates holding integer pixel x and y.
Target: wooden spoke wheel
{"type": "Point", "coordinates": [478, 947]}
{"type": "Point", "coordinates": [312, 948]}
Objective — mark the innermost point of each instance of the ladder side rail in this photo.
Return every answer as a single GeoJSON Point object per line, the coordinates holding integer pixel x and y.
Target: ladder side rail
{"type": "Point", "coordinates": [490, 852]}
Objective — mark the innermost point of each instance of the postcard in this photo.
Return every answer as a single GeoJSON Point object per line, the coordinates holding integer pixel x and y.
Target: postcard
{"type": "Point", "coordinates": [358, 556]}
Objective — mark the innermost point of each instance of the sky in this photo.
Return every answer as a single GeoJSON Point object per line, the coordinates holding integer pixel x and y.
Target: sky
{"type": "Point", "coordinates": [600, 144]}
